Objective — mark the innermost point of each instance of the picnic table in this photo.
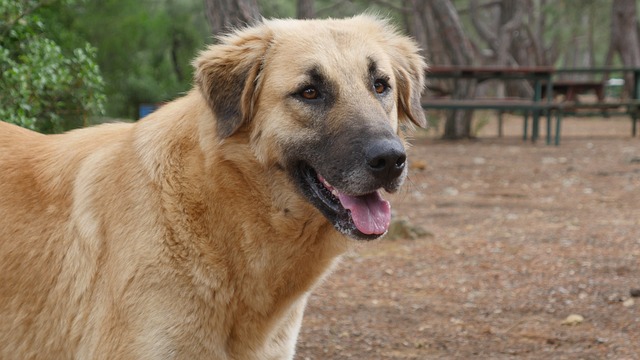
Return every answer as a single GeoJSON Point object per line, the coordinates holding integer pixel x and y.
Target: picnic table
{"type": "Point", "coordinates": [537, 106]}
{"type": "Point", "coordinates": [545, 88]}
{"type": "Point", "coordinates": [572, 88]}
{"type": "Point", "coordinates": [630, 106]}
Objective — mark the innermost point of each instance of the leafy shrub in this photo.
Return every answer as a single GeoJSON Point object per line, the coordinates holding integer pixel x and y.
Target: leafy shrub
{"type": "Point", "coordinates": [43, 87]}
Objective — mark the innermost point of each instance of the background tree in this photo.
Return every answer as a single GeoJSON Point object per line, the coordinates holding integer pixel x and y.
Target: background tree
{"type": "Point", "coordinates": [225, 14]}
{"type": "Point", "coordinates": [44, 86]}
{"type": "Point", "coordinates": [145, 47]}
{"type": "Point", "coordinates": [306, 9]}
{"type": "Point", "coordinates": [505, 33]}
{"type": "Point", "coordinates": [446, 36]}
{"type": "Point", "coordinates": [624, 33]}
{"type": "Point", "coordinates": [624, 37]}
{"type": "Point", "coordinates": [458, 124]}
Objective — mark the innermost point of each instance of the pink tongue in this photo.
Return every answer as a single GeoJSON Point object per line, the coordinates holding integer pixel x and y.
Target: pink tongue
{"type": "Point", "coordinates": [370, 213]}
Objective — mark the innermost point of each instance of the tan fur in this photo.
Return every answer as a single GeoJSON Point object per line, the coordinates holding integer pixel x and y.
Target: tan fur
{"type": "Point", "coordinates": [181, 236]}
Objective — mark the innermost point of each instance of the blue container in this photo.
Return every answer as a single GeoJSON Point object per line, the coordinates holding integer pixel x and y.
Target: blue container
{"type": "Point", "coordinates": [146, 109]}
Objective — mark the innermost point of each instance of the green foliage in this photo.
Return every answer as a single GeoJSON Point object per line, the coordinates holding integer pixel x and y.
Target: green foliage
{"type": "Point", "coordinates": [43, 87]}
{"type": "Point", "coordinates": [145, 47]}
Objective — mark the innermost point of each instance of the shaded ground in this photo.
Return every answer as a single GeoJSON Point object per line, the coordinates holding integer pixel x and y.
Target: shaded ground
{"type": "Point", "coordinates": [522, 236]}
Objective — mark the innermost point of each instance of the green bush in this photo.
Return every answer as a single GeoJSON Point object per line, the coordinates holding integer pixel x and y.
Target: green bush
{"type": "Point", "coordinates": [43, 87]}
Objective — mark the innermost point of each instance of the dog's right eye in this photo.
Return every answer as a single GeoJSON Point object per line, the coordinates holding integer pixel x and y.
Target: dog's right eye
{"type": "Point", "coordinates": [310, 93]}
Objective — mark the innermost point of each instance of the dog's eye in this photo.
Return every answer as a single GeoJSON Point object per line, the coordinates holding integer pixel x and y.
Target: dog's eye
{"type": "Point", "coordinates": [310, 93]}
{"type": "Point", "coordinates": [380, 86]}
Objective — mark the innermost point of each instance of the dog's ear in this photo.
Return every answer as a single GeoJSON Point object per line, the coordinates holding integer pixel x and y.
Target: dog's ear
{"type": "Point", "coordinates": [409, 69]}
{"type": "Point", "coordinates": [227, 75]}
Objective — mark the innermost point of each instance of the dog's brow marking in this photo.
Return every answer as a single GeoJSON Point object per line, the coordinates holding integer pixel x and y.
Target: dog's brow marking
{"type": "Point", "coordinates": [373, 66]}
{"type": "Point", "coordinates": [374, 71]}
{"type": "Point", "coordinates": [316, 75]}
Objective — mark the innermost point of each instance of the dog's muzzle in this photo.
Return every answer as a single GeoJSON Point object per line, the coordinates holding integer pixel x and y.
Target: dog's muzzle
{"type": "Point", "coordinates": [346, 183]}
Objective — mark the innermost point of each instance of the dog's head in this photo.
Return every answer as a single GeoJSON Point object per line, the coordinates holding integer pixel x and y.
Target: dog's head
{"type": "Point", "coordinates": [324, 100]}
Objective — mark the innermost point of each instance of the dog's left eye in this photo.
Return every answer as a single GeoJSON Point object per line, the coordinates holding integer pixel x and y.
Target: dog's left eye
{"type": "Point", "coordinates": [310, 93]}
{"type": "Point", "coordinates": [380, 86]}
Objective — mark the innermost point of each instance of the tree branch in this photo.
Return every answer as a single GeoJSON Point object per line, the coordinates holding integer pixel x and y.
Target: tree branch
{"type": "Point", "coordinates": [483, 31]}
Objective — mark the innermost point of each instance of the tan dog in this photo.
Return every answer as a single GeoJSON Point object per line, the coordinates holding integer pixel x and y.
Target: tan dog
{"type": "Point", "coordinates": [200, 231]}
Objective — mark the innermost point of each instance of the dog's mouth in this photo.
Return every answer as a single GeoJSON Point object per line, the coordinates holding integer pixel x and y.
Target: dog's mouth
{"type": "Point", "coordinates": [365, 216]}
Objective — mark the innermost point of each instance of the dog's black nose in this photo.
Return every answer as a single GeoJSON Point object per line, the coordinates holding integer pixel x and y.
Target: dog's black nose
{"type": "Point", "coordinates": [386, 159]}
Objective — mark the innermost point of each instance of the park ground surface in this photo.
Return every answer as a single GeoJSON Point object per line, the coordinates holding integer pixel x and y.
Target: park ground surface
{"type": "Point", "coordinates": [519, 236]}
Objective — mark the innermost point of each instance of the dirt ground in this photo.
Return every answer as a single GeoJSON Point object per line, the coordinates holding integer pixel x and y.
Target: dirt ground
{"type": "Point", "coordinates": [519, 237]}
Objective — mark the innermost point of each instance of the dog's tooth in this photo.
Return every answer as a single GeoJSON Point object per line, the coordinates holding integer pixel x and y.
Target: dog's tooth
{"type": "Point", "coordinates": [326, 183]}
{"type": "Point", "coordinates": [334, 192]}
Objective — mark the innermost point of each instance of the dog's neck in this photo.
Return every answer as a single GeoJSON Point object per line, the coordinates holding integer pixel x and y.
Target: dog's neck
{"type": "Point", "coordinates": [281, 244]}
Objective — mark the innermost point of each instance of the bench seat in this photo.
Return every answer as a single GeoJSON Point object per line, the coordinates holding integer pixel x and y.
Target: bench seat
{"type": "Point", "coordinates": [633, 108]}
{"type": "Point", "coordinates": [491, 104]}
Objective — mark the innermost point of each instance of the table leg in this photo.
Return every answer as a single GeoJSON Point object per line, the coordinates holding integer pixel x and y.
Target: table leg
{"type": "Point", "coordinates": [548, 127]}
{"type": "Point", "coordinates": [558, 125]}
{"type": "Point", "coordinates": [537, 97]}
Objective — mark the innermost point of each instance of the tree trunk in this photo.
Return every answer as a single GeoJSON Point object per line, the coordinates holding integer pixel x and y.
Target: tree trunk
{"type": "Point", "coordinates": [226, 14]}
{"type": "Point", "coordinates": [175, 45]}
{"type": "Point", "coordinates": [624, 38]}
{"type": "Point", "coordinates": [503, 30]}
{"type": "Point", "coordinates": [458, 47]}
{"type": "Point", "coordinates": [306, 9]}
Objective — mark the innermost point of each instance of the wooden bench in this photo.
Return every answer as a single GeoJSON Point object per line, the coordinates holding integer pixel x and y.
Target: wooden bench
{"type": "Point", "coordinates": [632, 108]}
{"type": "Point", "coordinates": [537, 75]}
{"type": "Point", "coordinates": [506, 104]}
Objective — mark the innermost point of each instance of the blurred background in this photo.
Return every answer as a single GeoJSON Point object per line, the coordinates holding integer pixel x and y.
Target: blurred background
{"type": "Point", "coordinates": [72, 63]}
{"type": "Point", "coordinates": [497, 245]}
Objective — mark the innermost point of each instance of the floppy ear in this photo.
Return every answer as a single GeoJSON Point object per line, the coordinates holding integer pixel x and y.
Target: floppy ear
{"type": "Point", "coordinates": [227, 75]}
{"type": "Point", "coordinates": [409, 68]}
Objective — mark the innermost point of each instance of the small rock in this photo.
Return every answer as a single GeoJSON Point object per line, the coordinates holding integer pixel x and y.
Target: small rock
{"type": "Point", "coordinates": [479, 161]}
{"type": "Point", "coordinates": [628, 303]}
{"type": "Point", "coordinates": [614, 298]}
{"type": "Point", "coordinates": [400, 228]}
{"type": "Point", "coordinates": [451, 191]}
{"type": "Point", "coordinates": [573, 319]}
{"type": "Point", "coordinates": [634, 292]}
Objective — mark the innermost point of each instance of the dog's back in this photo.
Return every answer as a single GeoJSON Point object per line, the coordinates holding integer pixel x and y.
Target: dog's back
{"type": "Point", "coordinates": [48, 244]}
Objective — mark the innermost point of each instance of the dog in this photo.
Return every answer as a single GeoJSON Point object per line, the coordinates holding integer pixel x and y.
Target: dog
{"type": "Point", "coordinates": [199, 231]}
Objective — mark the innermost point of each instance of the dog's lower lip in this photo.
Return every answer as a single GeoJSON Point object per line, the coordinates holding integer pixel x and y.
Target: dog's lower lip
{"type": "Point", "coordinates": [324, 199]}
